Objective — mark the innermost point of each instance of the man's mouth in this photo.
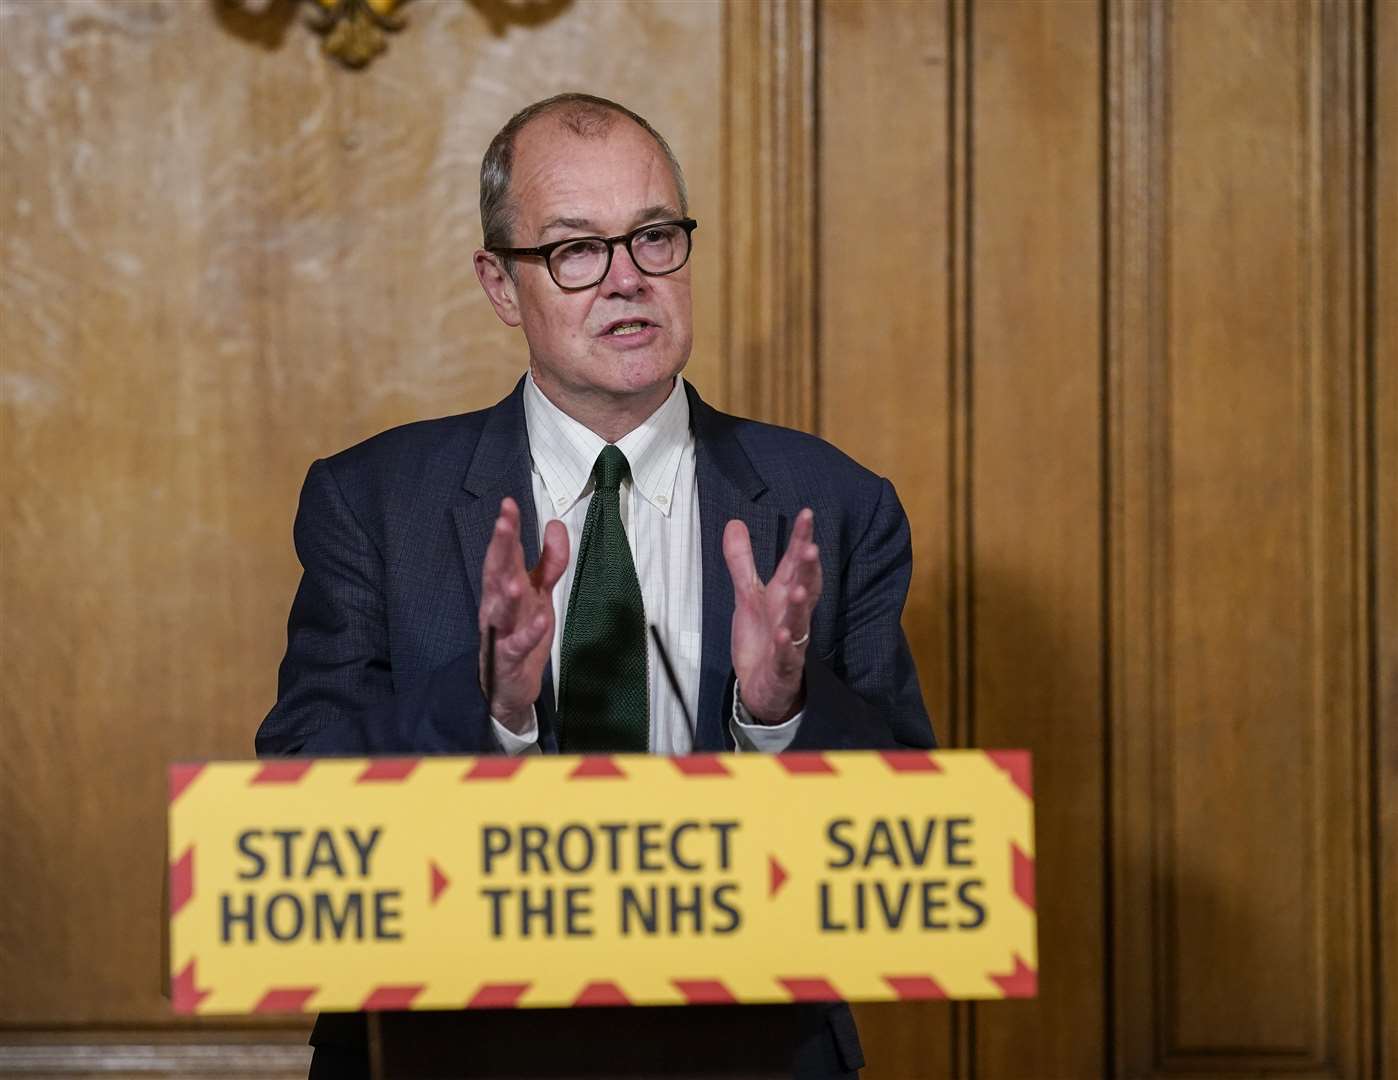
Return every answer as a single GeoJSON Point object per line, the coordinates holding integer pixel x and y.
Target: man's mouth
{"type": "Point", "coordinates": [626, 327]}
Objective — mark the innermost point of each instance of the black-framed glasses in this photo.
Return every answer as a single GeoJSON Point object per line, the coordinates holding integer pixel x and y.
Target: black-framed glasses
{"type": "Point", "coordinates": [580, 262]}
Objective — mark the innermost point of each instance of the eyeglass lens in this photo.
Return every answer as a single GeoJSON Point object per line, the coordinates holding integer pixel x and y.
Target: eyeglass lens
{"type": "Point", "coordinates": [657, 249]}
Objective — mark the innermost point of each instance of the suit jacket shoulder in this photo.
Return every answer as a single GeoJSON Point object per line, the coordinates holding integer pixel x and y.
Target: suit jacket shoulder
{"type": "Point", "coordinates": [387, 474]}
{"type": "Point", "coordinates": [778, 452]}
{"type": "Point", "coordinates": [787, 469]}
{"type": "Point", "coordinates": [784, 454]}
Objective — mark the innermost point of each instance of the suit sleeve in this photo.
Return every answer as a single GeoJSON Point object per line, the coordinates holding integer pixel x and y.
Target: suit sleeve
{"type": "Point", "coordinates": [863, 694]}
{"type": "Point", "coordinates": [336, 666]}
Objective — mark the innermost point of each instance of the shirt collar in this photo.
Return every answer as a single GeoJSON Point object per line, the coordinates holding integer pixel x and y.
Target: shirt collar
{"type": "Point", "coordinates": [564, 451]}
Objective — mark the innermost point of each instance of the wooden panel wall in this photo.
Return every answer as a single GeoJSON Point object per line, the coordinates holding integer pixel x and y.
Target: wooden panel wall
{"type": "Point", "coordinates": [1105, 286]}
{"type": "Point", "coordinates": [888, 382]}
{"type": "Point", "coordinates": [1239, 537]}
{"type": "Point", "coordinates": [1381, 309]}
{"type": "Point", "coordinates": [223, 255]}
{"type": "Point", "coordinates": [1110, 266]}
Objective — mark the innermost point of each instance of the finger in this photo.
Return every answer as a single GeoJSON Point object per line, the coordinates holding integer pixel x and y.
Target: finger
{"type": "Point", "coordinates": [737, 553]}
{"type": "Point", "coordinates": [492, 599]}
{"type": "Point", "coordinates": [507, 604]}
{"type": "Point", "coordinates": [787, 658]}
{"type": "Point", "coordinates": [801, 533]}
{"type": "Point", "coordinates": [807, 573]}
{"type": "Point", "coordinates": [796, 616]}
{"type": "Point", "coordinates": [504, 561]}
{"type": "Point", "coordinates": [800, 600]}
{"type": "Point", "coordinates": [514, 648]}
{"type": "Point", "coordinates": [554, 559]}
{"type": "Point", "coordinates": [501, 605]}
{"type": "Point", "coordinates": [536, 631]}
{"type": "Point", "coordinates": [505, 533]}
{"type": "Point", "coordinates": [509, 510]}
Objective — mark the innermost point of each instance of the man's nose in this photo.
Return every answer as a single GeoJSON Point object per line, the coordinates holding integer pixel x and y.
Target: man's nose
{"type": "Point", "coordinates": [624, 277]}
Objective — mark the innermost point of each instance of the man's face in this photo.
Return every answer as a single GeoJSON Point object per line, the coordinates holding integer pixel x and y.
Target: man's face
{"type": "Point", "coordinates": [565, 186]}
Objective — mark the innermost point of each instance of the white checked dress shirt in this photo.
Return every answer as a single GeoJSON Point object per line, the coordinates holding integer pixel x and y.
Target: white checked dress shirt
{"type": "Point", "coordinates": [660, 511]}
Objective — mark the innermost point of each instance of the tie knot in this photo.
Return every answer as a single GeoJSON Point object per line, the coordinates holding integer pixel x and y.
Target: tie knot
{"type": "Point", "coordinates": [611, 469]}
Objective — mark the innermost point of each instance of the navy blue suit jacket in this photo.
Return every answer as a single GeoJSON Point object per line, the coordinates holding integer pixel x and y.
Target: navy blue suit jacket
{"type": "Point", "coordinates": [383, 642]}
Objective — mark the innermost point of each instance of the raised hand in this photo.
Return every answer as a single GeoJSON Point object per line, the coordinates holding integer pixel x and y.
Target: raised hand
{"type": "Point", "coordinates": [772, 622]}
{"type": "Point", "coordinates": [519, 604]}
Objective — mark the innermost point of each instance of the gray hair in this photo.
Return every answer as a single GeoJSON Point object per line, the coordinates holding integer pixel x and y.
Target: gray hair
{"type": "Point", "coordinates": [586, 116]}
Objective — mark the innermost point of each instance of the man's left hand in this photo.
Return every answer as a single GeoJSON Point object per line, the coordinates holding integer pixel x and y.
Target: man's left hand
{"type": "Point", "coordinates": [769, 620]}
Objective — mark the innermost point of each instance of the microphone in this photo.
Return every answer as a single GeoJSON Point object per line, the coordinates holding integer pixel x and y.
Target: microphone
{"type": "Point", "coordinates": [489, 667]}
{"type": "Point", "coordinates": [673, 680]}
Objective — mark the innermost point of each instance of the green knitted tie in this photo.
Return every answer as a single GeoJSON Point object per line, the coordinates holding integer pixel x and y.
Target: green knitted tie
{"type": "Point", "coordinates": [602, 663]}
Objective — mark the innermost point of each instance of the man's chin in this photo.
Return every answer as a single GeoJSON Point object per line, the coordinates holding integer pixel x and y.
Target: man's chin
{"type": "Point", "coordinates": [639, 373]}
{"type": "Point", "coordinates": [611, 377]}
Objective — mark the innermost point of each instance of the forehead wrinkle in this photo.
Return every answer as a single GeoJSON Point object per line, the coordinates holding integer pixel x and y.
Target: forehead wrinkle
{"type": "Point", "coordinates": [566, 223]}
{"type": "Point", "coordinates": [561, 197]}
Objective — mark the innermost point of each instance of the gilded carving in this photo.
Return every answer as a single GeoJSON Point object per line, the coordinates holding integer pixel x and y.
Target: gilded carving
{"type": "Point", "coordinates": [354, 29]}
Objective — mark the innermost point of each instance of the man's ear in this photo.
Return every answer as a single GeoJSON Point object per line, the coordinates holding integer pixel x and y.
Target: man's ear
{"type": "Point", "coordinates": [499, 287]}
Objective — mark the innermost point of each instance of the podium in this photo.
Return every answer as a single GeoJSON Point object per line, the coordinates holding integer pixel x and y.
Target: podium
{"type": "Point", "coordinates": [699, 916]}
{"type": "Point", "coordinates": [722, 1042]}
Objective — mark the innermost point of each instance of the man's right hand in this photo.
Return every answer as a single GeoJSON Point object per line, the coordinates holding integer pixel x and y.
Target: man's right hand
{"type": "Point", "coordinates": [519, 604]}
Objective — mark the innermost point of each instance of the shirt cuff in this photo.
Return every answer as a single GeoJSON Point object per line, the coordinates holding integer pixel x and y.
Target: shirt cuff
{"type": "Point", "coordinates": [749, 735]}
{"type": "Point", "coordinates": [527, 742]}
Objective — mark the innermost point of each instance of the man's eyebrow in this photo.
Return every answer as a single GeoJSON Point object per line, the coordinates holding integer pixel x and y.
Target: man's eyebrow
{"type": "Point", "coordinates": [569, 223]}
{"type": "Point", "coordinates": [658, 212]}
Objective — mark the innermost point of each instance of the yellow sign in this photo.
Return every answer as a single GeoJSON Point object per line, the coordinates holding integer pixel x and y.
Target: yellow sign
{"type": "Point", "coordinates": [443, 883]}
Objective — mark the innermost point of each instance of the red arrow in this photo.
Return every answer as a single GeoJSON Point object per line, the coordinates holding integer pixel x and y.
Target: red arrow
{"type": "Point", "coordinates": [439, 880]}
{"type": "Point", "coordinates": [776, 877]}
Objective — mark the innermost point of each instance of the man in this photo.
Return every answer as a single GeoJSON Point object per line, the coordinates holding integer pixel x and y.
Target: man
{"type": "Point", "coordinates": [654, 509]}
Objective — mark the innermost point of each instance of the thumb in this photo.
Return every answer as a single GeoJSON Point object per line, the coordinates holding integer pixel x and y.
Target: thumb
{"type": "Point", "coordinates": [554, 559]}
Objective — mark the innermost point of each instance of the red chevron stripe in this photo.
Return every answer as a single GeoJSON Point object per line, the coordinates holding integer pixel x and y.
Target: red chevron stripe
{"type": "Point", "coordinates": [704, 992]}
{"type": "Point", "coordinates": [386, 998]}
{"type": "Point", "coordinates": [281, 772]}
{"type": "Point", "coordinates": [285, 999]}
{"type": "Point", "coordinates": [810, 990]}
{"type": "Point", "coordinates": [597, 767]}
{"type": "Point", "coordinates": [1023, 981]}
{"type": "Point", "coordinates": [389, 770]}
{"type": "Point", "coordinates": [902, 761]}
{"type": "Point", "coordinates": [1023, 875]}
{"type": "Point", "coordinates": [181, 776]}
{"type": "Point", "coordinates": [497, 996]}
{"type": "Point", "coordinates": [181, 881]}
{"type": "Point", "coordinates": [1019, 765]}
{"type": "Point", "coordinates": [804, 763]}
{"type": "Point", "coordinates": [701, 765]}
{"type": "Point", "coordinates": [185, 996]}
{"type": "Point", "coordinates": [494, 768]}
{"type": "Point", "coordinates": [915, 987]}
{"type": "Point", "coordinates": [602, 993]}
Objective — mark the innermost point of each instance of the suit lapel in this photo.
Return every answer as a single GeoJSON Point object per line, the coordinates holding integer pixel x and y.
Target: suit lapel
{"type": "Point", "coordinates": [499, 467]}
{"type": "Point", "coordinates": [729, 488]}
